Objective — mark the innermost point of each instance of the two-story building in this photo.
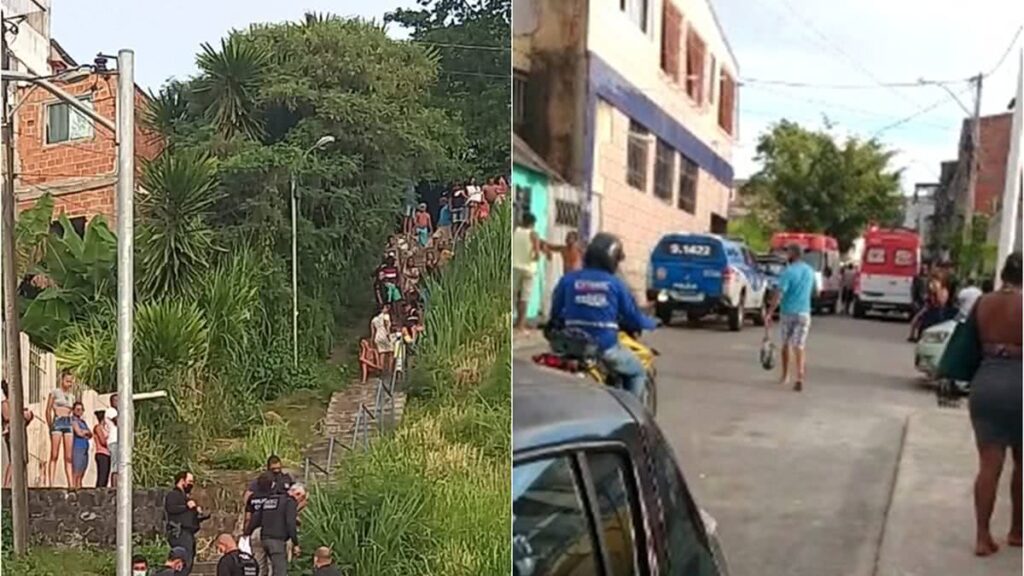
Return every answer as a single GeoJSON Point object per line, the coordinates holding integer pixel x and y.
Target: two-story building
{"type": "Point", "coordinates": [635, 102]}
{"type": "Point", "coordinates": [61, 152]}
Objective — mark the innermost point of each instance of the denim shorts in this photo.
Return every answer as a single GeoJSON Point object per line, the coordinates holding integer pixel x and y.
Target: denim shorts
{"type": "Point", "coordinates": [61, 425]}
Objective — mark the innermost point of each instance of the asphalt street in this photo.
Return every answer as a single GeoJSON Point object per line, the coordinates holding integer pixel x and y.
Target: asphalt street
{"type": "Point", "coordinates": [802, 483]}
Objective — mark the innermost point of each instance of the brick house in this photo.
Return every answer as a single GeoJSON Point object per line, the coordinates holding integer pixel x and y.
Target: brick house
{"type": "Point", "coordinates": [60, 152]}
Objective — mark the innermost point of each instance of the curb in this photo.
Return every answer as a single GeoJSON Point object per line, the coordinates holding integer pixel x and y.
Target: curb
{"type": "Point", "coordinates": [876, 568]}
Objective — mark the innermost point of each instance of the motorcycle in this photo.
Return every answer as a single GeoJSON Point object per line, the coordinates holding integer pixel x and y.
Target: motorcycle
{"type": "Point", "coordinates": [573, 352]}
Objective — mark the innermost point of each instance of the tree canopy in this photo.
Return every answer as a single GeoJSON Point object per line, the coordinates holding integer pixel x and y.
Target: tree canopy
{"type": "Point", "coordinates": [473, 41]}
{"type": "Point", "coordinates": [810, 182]}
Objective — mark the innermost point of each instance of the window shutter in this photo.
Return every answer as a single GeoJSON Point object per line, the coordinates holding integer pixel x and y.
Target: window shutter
{"type": "Point", "coordinates": [671, 24]}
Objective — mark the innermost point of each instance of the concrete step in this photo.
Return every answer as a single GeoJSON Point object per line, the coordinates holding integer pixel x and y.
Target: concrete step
{"type": "Point", "coordinates": [205, 568]}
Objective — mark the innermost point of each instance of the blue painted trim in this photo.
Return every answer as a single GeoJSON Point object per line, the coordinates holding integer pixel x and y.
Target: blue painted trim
{"type": "Point", "coordinates": [609, 85]}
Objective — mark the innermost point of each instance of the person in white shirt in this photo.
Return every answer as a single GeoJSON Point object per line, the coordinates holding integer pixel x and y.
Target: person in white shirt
{"type": "Point", "coordinates": [966, 298]}
{"type": "Point", "coordinates": [110, 419]}
{"type": "Point", "coordinates": [475, 195]}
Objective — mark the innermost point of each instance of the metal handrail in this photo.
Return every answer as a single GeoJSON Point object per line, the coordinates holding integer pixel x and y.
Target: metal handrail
{"type": "Point", "coordinates": [382, 415]}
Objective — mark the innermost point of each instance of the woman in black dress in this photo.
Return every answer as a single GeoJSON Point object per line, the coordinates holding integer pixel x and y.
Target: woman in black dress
{"type": "Point", "coordinates": [995, 403]}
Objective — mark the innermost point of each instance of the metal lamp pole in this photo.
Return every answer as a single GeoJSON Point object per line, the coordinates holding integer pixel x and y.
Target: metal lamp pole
{"type": "Point", "coordinates": [323, 141]}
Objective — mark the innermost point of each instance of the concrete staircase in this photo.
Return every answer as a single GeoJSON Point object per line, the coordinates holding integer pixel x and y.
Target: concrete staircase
{"type": "Point", "coordinates": [340, 424]}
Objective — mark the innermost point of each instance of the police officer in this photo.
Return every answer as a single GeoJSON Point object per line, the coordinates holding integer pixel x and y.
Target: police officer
{"type": "Point", "coordinates": [184, 517]}
{"type": "Point", "coordinates": [263, 489]}
{"type": "Point", "coordinates": [600, 304]}
{"type": "Point", "coordinates": [177, 559]}
{"type": "Point", "coordinates": [276, 519]}
{"type": "Point", "coordinates": [234, 562]}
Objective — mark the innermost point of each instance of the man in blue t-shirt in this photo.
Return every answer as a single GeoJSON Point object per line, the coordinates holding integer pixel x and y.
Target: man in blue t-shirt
{"type": "Point", "coordinates": [796, 288]}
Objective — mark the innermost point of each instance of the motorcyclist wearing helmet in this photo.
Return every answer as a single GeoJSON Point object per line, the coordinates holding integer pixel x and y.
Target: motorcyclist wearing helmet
{"type": "Point", "coordinates": [600, 304]}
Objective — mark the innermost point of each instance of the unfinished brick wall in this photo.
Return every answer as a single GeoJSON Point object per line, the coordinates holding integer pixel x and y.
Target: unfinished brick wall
{"type": "Point", "coordinates": [995, 147]}
{"type": "Point", "coordinates": [46, 166]}
{"type": "Point", "coordinates": [88, 203]}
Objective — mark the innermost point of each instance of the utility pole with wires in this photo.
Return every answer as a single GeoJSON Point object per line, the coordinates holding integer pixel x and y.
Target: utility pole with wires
{"type": "Point", "coordinates": [12, 334]}
{"type": "Point", "coordinates": [973, 152]}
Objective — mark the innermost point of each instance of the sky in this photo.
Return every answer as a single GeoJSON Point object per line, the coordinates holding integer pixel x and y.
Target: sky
{"type": "Point", "coordinates": [848, 42]}
{"type": "Point", "coordinates": [166, 36]}
{"type": "Point", "coordinates": [864, 43]}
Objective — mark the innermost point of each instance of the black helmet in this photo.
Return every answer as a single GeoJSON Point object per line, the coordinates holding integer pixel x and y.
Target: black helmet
{"type": "Point", "coordinates": [604, 251]}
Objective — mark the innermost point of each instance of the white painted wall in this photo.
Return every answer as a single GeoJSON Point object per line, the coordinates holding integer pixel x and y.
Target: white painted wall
{"type": "Point", "coordinates": [31, 47]}
{"type": "Point", "coordinates": [637, 57]}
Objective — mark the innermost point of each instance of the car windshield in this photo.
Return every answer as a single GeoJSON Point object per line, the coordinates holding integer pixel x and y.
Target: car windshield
{"type": "Point", "coordinates": [813, 258]}
{"type": "Point", "coordinates": [772, 268]}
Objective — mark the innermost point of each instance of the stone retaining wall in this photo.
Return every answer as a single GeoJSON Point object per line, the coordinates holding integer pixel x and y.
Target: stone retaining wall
{"type": "Point", "coordinates": [59, 517]}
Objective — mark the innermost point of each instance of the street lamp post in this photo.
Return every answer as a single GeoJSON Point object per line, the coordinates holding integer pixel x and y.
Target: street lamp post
{"type": "Point", "coordinates": [323, 141]}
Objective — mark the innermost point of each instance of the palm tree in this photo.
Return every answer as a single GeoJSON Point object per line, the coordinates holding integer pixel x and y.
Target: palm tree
{"type": "Point", "coordinates": [176, 242]}
{"type": "Point", "coordinates": [229, 85]}
{"type": "Point", "coordinates": [168, 109]}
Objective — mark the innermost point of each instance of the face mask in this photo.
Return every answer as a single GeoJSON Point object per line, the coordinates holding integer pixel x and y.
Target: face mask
{"type": "Point", "coordinates": [188, 488]}
{"type": "Point", "coordinates": [139, 573]}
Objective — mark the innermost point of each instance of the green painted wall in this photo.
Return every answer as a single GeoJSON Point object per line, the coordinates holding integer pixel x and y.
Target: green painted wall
{"type": "Point", "coordinates": [531, 194]}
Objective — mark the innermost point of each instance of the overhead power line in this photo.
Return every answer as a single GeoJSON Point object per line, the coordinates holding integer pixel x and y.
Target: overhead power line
{"type": "Point", "coordinates": [920, 83]}
{"type": "Point", "coordinates": [481, 47]}
{"type": "Point", "coordinates": [1006, 53]}
{"type": "Point", "coordinates": [916, 114]}
{"type": "Point", "coordinates": [828, 43]}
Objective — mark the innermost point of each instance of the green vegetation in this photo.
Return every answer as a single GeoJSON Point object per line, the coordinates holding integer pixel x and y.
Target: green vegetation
{"type": "Point", "coordinates": [472, 39]}
{"type": "Point", "coordinates": [85, 561]}
{"type": "Point", "coordinates": [809, 182]}
{"type": "Point", "coordinates": [213, 316]}
{"type": "Point", "coordinates": [756, 233]}
{"type": "Point", "coordinates": [432, 498]}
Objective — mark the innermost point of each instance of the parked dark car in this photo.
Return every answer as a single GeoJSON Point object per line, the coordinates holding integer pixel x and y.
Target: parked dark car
{"type": "Point", "coordinates": [596, 488]}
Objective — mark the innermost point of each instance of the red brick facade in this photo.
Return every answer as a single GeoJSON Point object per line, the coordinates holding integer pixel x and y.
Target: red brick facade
{"type": "Point", "coordinates": [80, 173]}
{"type": "Point", "coordinates": [995, 147]}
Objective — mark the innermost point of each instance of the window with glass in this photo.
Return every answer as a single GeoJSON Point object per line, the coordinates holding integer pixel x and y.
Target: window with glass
{"type": "Point", "coordinates": [64, 124]}
{"type": "Point", "coordinates": [636, 155]}
{"type": "Point", "coordinates": [615, 494]}
{"type": "Point", "coordinates": [875, 256]}
{"type": "Point", "coordinates": [638, 12]}
{"type": "Point", "coordinates": [688, 173]}
{"type": "Point", "coordinates": [518, 99]}
{"type": "Point", "coordinates": [664, 170]}
{"type": "Point", "coordinates": [551, 533]}
{"type": "Point", "coordinates": [686, 547]}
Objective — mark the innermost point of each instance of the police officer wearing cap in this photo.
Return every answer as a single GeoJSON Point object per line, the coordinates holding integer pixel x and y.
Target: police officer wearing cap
{"type": "Point", "coordinates": [177, 559]}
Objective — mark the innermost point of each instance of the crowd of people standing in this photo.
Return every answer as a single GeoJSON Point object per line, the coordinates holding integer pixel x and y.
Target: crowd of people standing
{"type": "Point", "coordinates": [72, 438]}
{"type": "Point", "coordinates": [424, 244]}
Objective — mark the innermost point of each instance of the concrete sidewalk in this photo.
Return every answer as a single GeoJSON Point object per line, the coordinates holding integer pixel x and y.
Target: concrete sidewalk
{"type": "Point", "coordinates": [930, 524]}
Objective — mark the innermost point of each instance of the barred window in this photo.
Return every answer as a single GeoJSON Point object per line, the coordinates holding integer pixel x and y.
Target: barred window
{"type": "Point", "coordinates": [664, 170]}
{"type": "Point", "coordinates": [688, 173]}
{"type": "Point", "coordinates": [639, 149]}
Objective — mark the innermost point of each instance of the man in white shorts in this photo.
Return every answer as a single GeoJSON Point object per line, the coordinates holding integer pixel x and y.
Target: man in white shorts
{"type": "Point", "coordinates": [796, 288]}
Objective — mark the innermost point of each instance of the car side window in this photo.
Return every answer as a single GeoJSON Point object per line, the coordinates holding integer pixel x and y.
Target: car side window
{"type": "Point", "coordinates": [688, 554]}
{"type": "Point", "coordinates": [615, 493]}
{"type": "Point", "coordinates": [550, 530]}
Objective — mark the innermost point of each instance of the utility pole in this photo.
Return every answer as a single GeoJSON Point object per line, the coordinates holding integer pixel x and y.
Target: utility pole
{"type": "Point", "coordinates": [972, 159]}
{"type": "Point", "coordinates": [12, 333]}
{"type": "Point", "coordinates": [125, 302]}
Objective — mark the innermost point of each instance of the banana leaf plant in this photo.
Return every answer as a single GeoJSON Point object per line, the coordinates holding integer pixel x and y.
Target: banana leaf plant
{"type": "Point", "coordinates": [77, 274]}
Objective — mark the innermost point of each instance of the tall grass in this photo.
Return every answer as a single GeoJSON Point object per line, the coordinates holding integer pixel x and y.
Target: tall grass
{"type": "Point", "coordinates": [432, 498]}
{"type": "Point", "coordinates": [468, 310]}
